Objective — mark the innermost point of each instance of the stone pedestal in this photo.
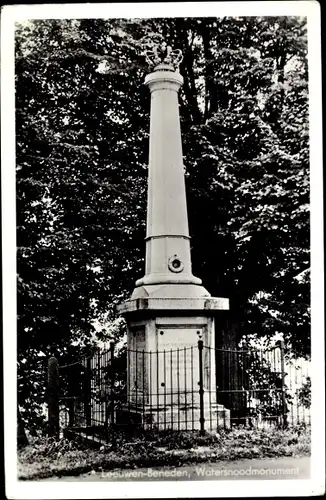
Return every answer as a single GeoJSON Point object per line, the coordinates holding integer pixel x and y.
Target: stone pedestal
{"type": "Point", "coordinates": [163, 359]}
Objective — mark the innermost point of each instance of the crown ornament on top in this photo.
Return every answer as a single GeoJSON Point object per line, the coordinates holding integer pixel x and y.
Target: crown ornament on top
{"type": "Point", "coordinates": [162, 56]}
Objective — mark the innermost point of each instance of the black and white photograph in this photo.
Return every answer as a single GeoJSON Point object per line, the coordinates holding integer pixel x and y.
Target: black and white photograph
{"type": "Point", "coordinates": [162, 250]}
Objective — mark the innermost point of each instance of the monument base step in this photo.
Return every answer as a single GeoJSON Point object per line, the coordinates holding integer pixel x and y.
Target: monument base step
{"type": "Point", "coordinates": [164, 418]}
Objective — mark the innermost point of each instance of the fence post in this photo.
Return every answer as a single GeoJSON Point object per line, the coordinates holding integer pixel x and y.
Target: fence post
{"type": "Point", "coordinates": [87, 392]}
{"type": "Point", "coordinates": [112, 393]}
{"type": "Point", "coordinates": [201, 388]}
{"type": "Point", "coordinates": [71, 401]}
{"type": "Point", "coordinates": [284, 406]}
{"type": "Point", "coordinates": [53, 398]}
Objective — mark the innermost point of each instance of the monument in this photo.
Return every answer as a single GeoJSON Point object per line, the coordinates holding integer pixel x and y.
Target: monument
{"type": "Point", "coordinates": [169, 309]}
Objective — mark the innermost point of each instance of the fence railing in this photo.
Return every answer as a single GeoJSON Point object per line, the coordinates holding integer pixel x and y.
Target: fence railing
{"type": "Point", "coordinates": [192, 388]}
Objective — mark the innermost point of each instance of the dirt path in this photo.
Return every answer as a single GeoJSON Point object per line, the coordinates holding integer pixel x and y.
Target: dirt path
{"type": "Point", "coordinates": [268, 468]}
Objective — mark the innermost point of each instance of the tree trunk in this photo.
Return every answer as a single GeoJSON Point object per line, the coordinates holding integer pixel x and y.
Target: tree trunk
{"type": "Point", "coordinates": [230, 367]}
{"type": "Point", "coordinates": [189, 86]}
{"type": "Point", "coordinates": [208, 76]}
{"type": "Point", "coordinates": [21, 433]}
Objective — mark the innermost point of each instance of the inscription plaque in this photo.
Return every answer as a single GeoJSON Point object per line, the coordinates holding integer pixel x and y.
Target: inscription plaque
{"type": "Point", "coordinates": [137, 366]}
{"type": "Point", "coordinates": [178, 364]}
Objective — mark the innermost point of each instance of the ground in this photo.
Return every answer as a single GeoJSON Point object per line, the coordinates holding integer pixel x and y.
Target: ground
{"type": "Point", "coordinates": [47, 457]}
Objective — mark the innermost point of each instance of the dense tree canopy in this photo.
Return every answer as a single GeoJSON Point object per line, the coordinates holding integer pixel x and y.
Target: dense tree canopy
{"type": "Point", "coordinates": [82, 125]}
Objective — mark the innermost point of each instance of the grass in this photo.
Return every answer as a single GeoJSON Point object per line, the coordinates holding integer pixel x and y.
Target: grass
{"type": "Point", "coordinates": [46, 457]}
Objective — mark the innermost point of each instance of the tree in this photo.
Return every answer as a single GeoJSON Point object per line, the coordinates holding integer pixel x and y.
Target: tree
{"type": "Point", "coordinates": [241, 178]}
{"type": "Point", "coordinates": [82, 126]}
{"type": "Point", "coordinates": [73, 219]}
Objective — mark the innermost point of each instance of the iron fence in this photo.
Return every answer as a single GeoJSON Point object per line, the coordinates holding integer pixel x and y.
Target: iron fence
{"type": "Point", "coordinates": [192, 388]}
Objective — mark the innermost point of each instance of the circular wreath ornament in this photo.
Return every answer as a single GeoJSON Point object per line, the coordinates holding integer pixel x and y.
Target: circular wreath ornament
{"type": "Point", "coordinates": [175, 264]}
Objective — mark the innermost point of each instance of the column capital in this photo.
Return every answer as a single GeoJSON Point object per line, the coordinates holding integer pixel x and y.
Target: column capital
{"type": "Point", "coordinates": [162, 79]}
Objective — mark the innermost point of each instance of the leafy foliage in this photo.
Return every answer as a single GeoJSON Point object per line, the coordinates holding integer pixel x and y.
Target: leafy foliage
{"type": "Point", "coordinates": [304, 393]}
{"type": "Point", "coordinates": [82, 124]}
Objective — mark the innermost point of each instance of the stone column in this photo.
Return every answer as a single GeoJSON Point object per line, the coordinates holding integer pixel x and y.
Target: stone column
{"type": "Point", "coordinates": [167, 240]}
